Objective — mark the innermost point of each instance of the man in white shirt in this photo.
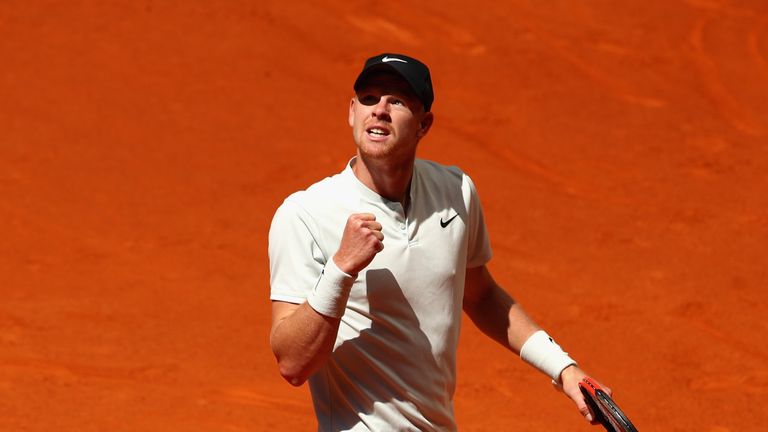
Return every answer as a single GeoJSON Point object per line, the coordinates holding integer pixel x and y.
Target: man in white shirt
{"type": "Point", "coordinates": [371, 268]}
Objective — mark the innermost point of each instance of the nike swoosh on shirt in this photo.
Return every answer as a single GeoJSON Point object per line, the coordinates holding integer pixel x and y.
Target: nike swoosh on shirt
{"type": "Point", "coordinates": [388, 59]}
{"type": "Point", "coordinates": [445, 223]}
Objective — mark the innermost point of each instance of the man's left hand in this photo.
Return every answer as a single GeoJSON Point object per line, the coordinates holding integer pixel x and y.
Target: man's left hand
{"type": "Point", "coordinates": [569, 384]}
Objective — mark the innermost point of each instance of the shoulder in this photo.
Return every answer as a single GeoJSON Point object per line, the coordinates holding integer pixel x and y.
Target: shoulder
{"type": "Point", "coordinates": [434, 172]}
{"type": "Point", "coordinates": [432, 168]}
{"type": "Point", "coordinates": [444, 176]}
{"type": "Point", "coordinates": [320, 196]}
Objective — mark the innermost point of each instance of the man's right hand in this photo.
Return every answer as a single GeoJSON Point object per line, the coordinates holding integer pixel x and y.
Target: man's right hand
{"type": "Point", "coordinates": [361, 241]}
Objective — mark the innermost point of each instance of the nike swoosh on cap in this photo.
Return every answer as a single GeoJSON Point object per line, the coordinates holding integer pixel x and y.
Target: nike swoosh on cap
{"type": "Point", "coordinates": [388, 59]}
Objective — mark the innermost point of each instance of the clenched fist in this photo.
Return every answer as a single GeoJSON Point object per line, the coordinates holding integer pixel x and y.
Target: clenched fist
{"type": "Point", "coordinates": [361, 241]}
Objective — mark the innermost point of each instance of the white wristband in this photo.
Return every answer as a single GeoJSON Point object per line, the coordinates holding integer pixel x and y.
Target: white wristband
{"type": "Point", "coordinates": [330, 295]}
{"type": "Point", "coordinates": [541, 351]}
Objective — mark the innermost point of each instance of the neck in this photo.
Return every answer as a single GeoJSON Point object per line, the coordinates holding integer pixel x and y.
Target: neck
{"type": "Point", "coordinates": [391, 181]}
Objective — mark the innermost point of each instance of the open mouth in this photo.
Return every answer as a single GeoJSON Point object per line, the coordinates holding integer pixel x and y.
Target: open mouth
{"type": "Point", "coordinates": [377, 132]}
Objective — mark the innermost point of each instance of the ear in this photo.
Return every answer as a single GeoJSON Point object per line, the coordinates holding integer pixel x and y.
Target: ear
{"type": "Point", "coordinates": [425, 124]}
{"type": "Point", "coordinates": [351, 112]}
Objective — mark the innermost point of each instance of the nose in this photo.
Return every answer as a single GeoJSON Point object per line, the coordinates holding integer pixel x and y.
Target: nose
{"type": "Point", "coordinates": [381, 109]}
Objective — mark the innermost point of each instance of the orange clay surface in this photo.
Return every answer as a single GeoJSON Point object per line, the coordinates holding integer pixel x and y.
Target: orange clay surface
{"type": "Point", "coordinates": [621, 154]}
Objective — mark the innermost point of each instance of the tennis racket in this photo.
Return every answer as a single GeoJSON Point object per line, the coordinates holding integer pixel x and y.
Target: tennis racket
{"type": "Point", "coordinates": [607, 412]}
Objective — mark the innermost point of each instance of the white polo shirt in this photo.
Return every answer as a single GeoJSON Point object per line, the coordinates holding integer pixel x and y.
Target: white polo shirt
{"type": "Point", "coordinates": [394, 360]}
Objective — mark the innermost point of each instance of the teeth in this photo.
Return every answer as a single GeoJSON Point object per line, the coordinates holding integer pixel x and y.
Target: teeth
{"type": "Point", "coordinates": [377, 131]}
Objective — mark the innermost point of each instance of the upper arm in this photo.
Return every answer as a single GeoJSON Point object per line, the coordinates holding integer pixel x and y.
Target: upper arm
{"type": "Point", "coordinates": [296, 259]}
{"type": "Point", "coordinates": [478, 284]}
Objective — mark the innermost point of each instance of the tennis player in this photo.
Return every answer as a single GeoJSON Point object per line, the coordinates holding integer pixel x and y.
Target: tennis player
{"type": "Point", "coordinates": [372, 267]}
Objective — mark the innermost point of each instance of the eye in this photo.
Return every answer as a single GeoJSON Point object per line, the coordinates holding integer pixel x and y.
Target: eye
{"type": "Point", "coordinates": [368, 99]}
{"type": "Point", "coordinates": [397, 102]}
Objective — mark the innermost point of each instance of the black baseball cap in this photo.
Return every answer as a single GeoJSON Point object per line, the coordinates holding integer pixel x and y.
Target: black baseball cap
{"type": "Point", "coordinates": [413, 71]}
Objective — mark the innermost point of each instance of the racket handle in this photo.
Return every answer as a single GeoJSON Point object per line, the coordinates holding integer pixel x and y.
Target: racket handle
{"type": "Point", "coordinates": [598, 415]}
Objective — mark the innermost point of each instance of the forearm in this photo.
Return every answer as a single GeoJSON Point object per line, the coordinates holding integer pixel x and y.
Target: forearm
{"type": "Point", "coordinates": [302, 342]}
{"type": "Point", "coordinates": [497, 315]}
{"type": "Point", "coordinates": [303, 336]}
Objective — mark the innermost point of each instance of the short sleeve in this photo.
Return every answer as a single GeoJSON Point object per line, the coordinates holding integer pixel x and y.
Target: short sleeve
{"type": "Point", "coordinates": [479, 244]}
{"type": "Point", "coordinates": [295, 259]}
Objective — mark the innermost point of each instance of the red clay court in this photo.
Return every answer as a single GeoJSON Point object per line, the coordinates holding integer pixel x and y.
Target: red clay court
{"type": "Point", "coordinates": [620, 149]}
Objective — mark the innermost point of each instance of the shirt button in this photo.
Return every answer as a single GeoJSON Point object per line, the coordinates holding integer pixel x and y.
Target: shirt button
{"type": "Point", "coordinates": [402, 227]}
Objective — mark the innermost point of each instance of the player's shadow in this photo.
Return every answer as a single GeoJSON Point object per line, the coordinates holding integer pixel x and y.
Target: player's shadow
{"type": "Point", "coordinates": [394, 342]}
